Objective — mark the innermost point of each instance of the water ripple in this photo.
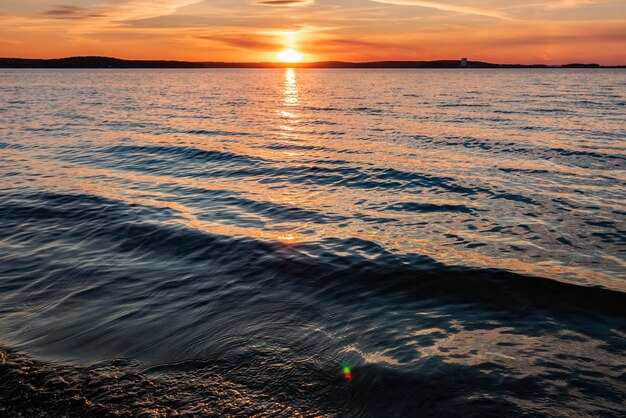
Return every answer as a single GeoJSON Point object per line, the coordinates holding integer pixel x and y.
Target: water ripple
{"type": "Point", "coordinates": [226, 246]}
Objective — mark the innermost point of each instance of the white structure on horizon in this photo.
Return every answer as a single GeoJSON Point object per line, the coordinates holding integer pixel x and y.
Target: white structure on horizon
{"type": "Point", "coordinates": [463, 62]}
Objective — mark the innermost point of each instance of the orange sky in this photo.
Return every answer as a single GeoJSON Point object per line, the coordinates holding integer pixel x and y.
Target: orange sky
{"type": "Point", "coordinates": [504, 31]}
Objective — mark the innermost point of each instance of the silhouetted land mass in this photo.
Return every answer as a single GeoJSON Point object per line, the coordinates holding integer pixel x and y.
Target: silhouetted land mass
{"type": "Point", "coordinates": [106, 62]}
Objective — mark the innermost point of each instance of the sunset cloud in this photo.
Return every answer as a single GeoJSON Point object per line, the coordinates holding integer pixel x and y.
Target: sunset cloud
{"type": "Point", "coordinates": [543, 31]}
{"type": "Point", "coordinates": [245, 41]}
{"type": "Point", "coordinates": [138, 9]}
{"type": "Point", "coordinates": [565, 4]}
{"type": "Point", "coordinates": [62, 11]}
{"type": "Point", "coordinates": [283, 2]}
{"type": "Point", "coordinates": [448, 7]}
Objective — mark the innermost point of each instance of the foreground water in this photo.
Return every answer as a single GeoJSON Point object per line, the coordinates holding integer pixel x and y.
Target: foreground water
{"type": "Point", "coordinates": [226, 241]}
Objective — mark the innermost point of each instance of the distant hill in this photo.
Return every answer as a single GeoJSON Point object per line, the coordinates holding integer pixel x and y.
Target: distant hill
{"type": "Point", "coordinates": [106, 62]}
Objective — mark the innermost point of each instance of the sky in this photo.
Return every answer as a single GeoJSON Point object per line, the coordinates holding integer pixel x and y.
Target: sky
{"type": "Point", "coordinates": [499, 31]}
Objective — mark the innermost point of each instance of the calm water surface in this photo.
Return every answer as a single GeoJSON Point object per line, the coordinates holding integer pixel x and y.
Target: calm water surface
{"type": "Point", "coordinates": [230, 239]}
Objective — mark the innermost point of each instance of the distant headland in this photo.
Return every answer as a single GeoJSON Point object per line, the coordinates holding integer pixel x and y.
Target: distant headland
{"type": "Point", "coordinates": [107, 62]}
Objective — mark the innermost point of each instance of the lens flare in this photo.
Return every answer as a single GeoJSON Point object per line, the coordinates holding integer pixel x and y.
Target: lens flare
{"type": "Point", "coordinates": [347, 373]}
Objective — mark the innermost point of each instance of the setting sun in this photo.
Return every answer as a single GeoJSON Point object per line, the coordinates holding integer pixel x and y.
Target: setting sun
{"type": "Point", "coordinates": [289, 55]}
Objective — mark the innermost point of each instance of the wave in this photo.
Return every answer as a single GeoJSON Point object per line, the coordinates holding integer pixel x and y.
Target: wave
{"type": "Point", "coordinates": [184, 153]}
{"type": "Point", "coordinates": [189, 160]}
{"type": "Point", "coordinates": [103, 226]}
{"type": "Point", "coordinates": [428, 207]}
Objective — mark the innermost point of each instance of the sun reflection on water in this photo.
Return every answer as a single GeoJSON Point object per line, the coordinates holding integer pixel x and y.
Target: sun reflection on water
{"type": "Point", "coordinates": [289, 118]}
{"type": "Point", "coordinates": [291, 88]}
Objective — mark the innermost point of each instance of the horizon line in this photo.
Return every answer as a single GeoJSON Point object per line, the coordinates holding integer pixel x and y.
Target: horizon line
{"type": "Point", "coordinates": [85, 61]}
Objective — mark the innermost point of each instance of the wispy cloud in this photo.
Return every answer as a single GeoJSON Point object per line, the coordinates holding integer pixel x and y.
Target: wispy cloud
{"type": "Point", "coordinates": [244, 41]}
{"type": "Point", "coordinates": [448, 8]}
{"type": "Point", "coordinates": [63, 11]}
{"type": "Point", "coordinates": [553, 5]}
{"type": "Point", "coordinates": [117, 10]}
{"type": "Point", "coordinates": [567, 4]}
{"type": "Point", "coordinates": [143, 9]}
{"type": "Point", "coordinates": [289, 3]}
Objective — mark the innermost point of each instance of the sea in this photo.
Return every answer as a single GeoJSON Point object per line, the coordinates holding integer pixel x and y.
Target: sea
{"type": "Point", "coordinates": [313, 242]}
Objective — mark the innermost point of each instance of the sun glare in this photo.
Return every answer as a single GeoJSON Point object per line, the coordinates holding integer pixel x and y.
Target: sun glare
{"type": "Point", "coordinates": [289, 55]}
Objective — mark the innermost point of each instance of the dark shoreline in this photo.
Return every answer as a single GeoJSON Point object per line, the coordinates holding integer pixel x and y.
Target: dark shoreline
{"type": "Point", "coordinates": [30, 387]}
{"type": "Point", "coordinates": [106, 62]}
